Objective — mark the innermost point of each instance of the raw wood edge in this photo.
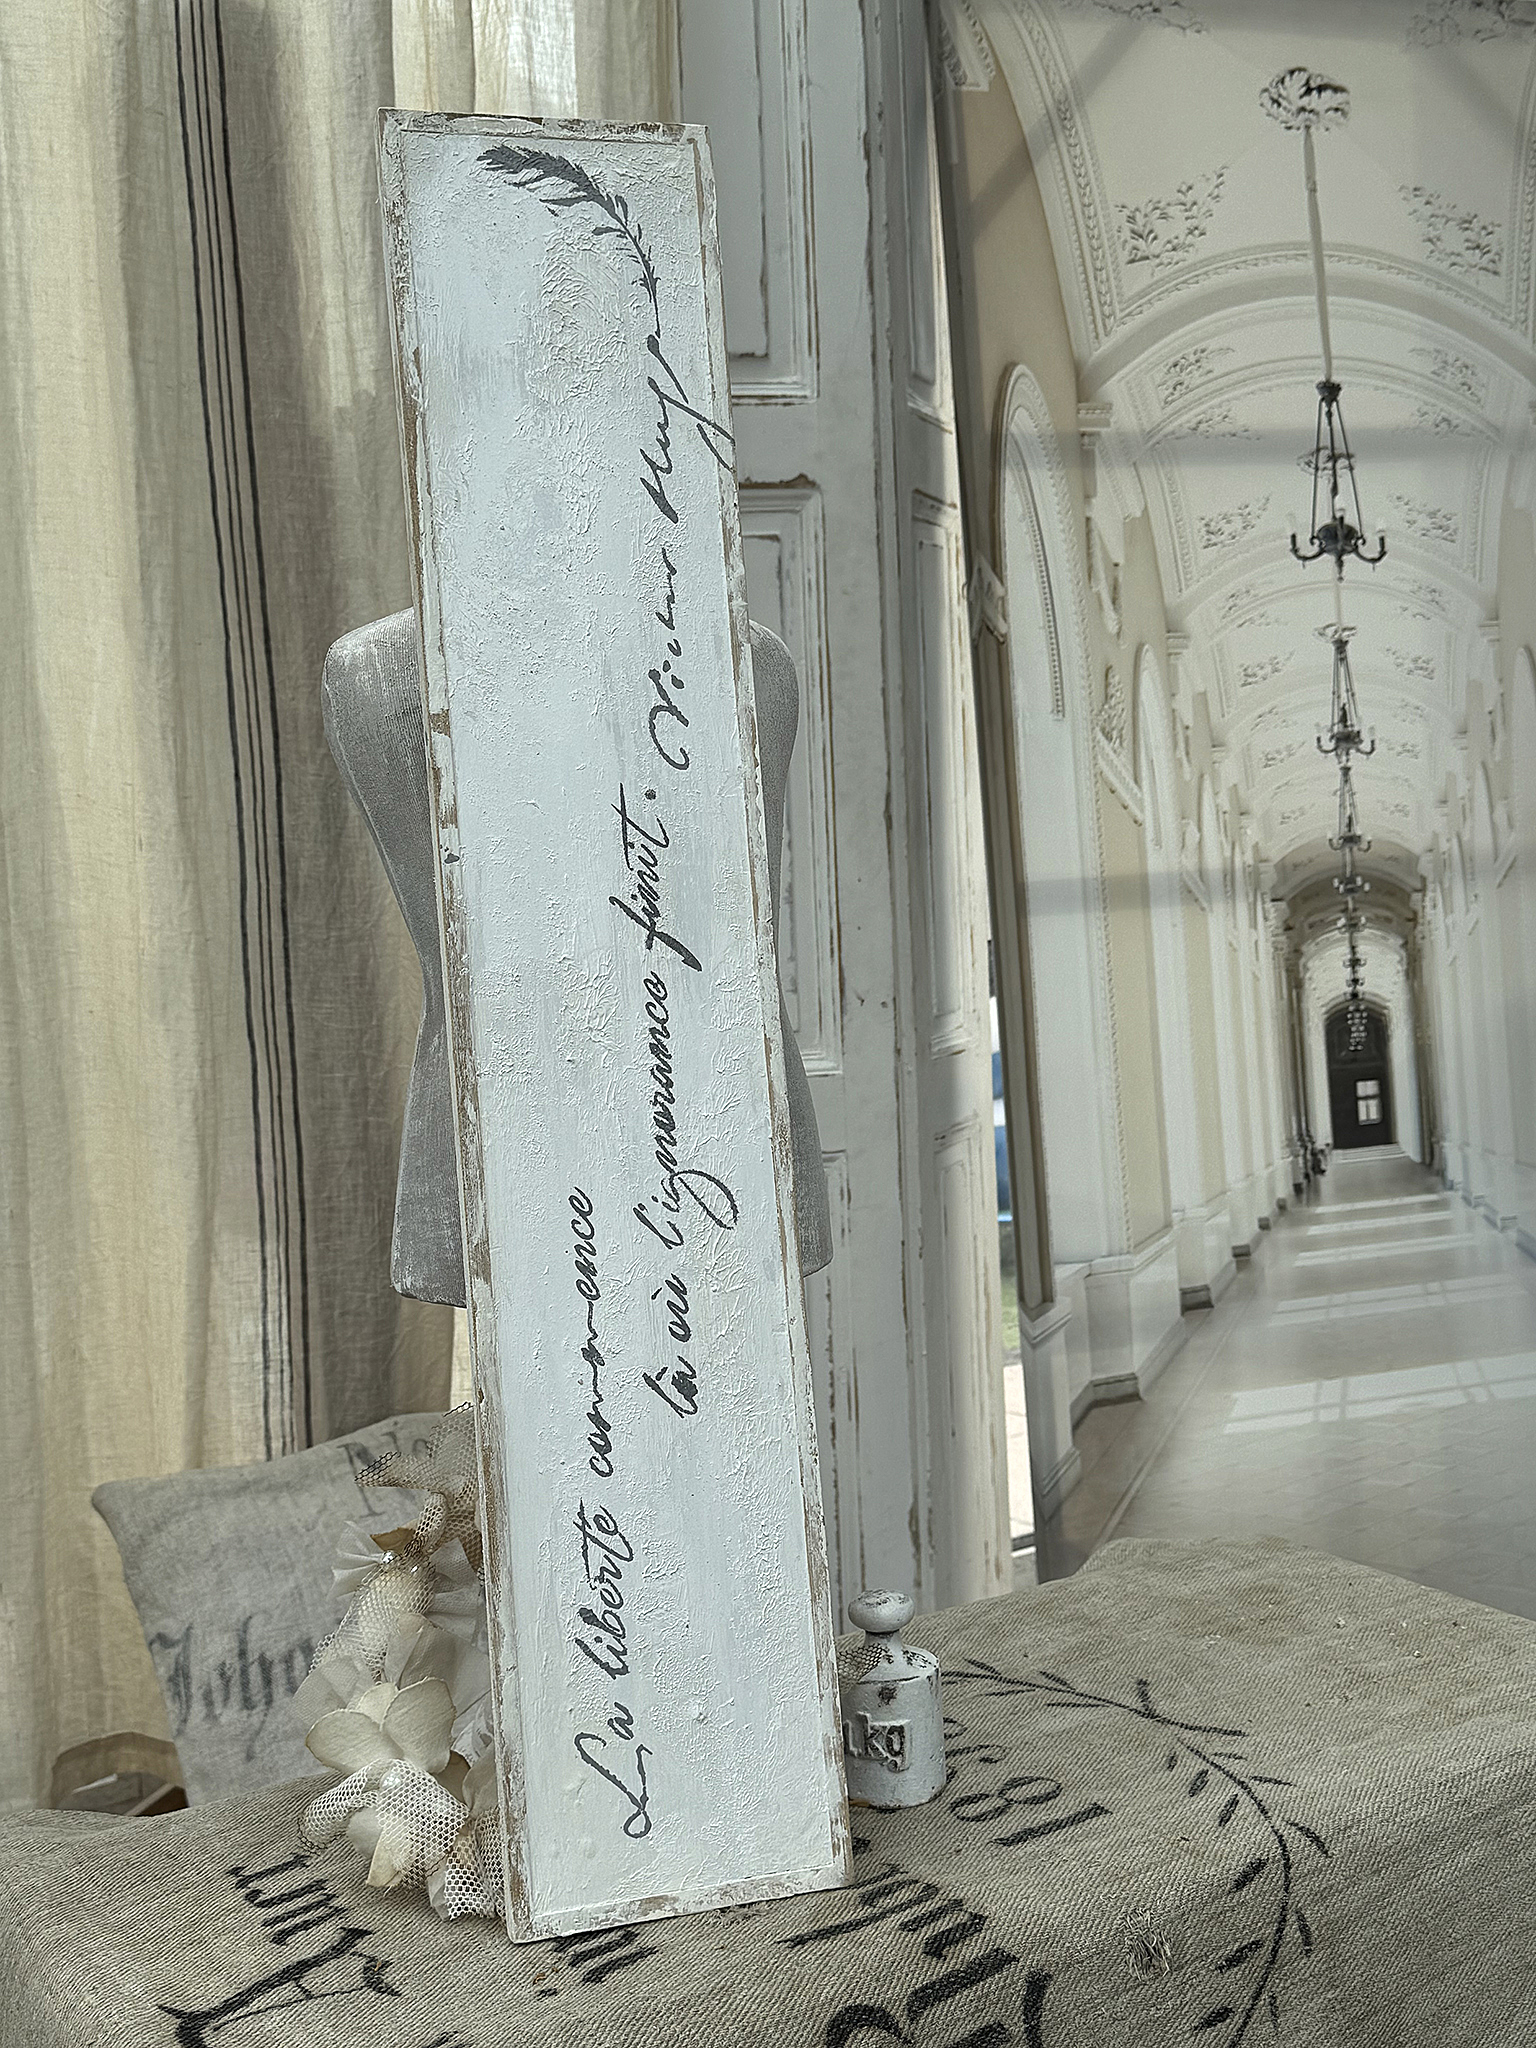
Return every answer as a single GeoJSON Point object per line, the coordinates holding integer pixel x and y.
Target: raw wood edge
{"type": "Point", "coordinates": [506, 1713]}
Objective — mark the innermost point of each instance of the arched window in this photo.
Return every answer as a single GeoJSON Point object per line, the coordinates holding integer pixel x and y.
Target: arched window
{"type": "Point", "coordinates": [1050, 672]}
{"type": "Point", "coordinates": [1165, 884]}
{"type": "Point", "coordinates": [1489, 1000]}
{"type": "Point", "coordinates": [1216, 876]}
{"type": "Point", "coordinates": [1520, 954]}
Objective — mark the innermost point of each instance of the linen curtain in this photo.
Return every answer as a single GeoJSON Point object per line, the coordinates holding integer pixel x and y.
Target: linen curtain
{"type": "Point", "coordinates": [207, 999]}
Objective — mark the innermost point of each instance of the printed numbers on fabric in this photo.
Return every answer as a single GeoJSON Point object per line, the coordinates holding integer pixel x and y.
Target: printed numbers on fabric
{"type": "Point", "coordinates": [1014, 1795]}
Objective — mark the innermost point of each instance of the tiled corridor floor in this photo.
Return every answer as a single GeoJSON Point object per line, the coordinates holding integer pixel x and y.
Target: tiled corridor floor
{"type": "Point", "coordinates": [1366, 1386]}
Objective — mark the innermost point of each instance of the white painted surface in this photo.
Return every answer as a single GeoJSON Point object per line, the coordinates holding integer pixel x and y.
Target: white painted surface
{"type": "Point", "coordinates": [562, 354]}
{"type": "Point", "coordinates": [1071, 1291]}
{"type": "Point", "coordinates": [946, 1039]}
{"type": "Point", "coordinates": [841, 404]}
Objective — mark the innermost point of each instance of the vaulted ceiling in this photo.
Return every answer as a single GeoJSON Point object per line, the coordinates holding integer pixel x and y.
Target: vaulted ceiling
{"type": "Point", "coordinates": [1178, 217]}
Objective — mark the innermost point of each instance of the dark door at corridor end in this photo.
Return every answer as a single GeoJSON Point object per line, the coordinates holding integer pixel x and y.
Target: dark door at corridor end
{"type": "Point", "coordinates": [1359, 1086]}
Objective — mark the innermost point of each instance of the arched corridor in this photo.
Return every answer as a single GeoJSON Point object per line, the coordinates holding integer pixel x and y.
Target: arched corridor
{"type": "Point", "coordinates": [1264, 812]}
{"type": "Point", "coordinates": [1368, 1388]}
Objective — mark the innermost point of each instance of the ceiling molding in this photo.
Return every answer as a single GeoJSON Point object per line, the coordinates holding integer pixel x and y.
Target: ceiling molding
{"type": "Point", "coordinates": [1189, 297]}
{"type": "Point", "coordinates": [964, 52]}
{"type": "Point", "coordinates": [1112, 322]}
{"type": "Point", "coordinates": [1281, 277]}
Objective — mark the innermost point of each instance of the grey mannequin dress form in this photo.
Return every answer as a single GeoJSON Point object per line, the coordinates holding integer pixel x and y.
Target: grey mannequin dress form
{"type": "Point", "coordinates": [371, 692]}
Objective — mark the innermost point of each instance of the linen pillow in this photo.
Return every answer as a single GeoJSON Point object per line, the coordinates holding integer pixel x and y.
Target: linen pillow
{"type": "Point", "coordinates": [230, 1570]}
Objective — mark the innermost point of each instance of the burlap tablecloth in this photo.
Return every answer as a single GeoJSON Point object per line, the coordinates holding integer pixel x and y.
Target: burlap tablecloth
{"type": "Point", "coordinates": [1216, 1793]}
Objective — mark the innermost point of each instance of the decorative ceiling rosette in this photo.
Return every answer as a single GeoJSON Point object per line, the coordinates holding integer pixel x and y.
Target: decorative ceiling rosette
{"type": "Point", "coordinates": [1300, 99]}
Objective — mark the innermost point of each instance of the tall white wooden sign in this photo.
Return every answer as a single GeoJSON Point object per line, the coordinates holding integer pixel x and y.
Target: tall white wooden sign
{"type": "Point", "coordinates": [661, 1628]}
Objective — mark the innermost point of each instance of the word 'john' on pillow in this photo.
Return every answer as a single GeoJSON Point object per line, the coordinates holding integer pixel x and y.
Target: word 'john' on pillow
{"type": "Point", "coordinates": [230, 1570]}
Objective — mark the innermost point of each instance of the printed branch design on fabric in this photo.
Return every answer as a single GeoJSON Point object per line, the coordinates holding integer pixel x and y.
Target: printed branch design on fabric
{"type": "Point", "coordinates": [1247, 1791]}
{"type": "Point", "coordinates": [959, 1950]}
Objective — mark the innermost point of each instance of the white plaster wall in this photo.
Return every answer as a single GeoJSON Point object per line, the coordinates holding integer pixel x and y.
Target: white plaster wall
{"type": "Point", "coordinates": [1048, 668]}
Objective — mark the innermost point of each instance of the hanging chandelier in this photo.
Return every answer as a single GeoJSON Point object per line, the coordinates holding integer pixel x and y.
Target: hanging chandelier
{"type": "Point", "coordinates": [1349, 839]}
{"type": "Point", "coordinates": [1354, 981]}
{"type": "Point", "coordinates": [1304, 101]}
{"type": "Point", "coordinates": [1349, 882]}
{"type": "Point", "coordinates": [1338, 523]}
{"type": "Point", "coordinates": [1345, 735]}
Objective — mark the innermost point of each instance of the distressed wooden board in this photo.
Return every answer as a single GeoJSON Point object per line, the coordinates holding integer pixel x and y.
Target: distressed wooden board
{"type": "Point", "coordinates": [642, 1383]}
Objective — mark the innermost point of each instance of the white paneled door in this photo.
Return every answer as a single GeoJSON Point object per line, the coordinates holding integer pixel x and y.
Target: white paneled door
{"type": "Point", "coordinates": [821, 129]}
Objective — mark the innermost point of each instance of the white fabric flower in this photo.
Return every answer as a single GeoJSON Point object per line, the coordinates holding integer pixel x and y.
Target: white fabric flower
{"type": "Point", "coordinates": [398, 1812]}
{"type": "Point", "coordinates": [462, 1662]}
{"type": "Point", "coordinates": [457, 1599]}
{"type": "Point", "coordinates": [418, 1830]}
{"type": "Point", "coordinates": [389, 1743]}
{"type": "Point", "coordinates": [400, 1586]}
{"type": "Point", "coordinates": [474, 1727]}
{"type": "Point", "coordinates": [363, 1553]}
{"type": "Point", "coordinates": [335, 1679]}
{"type": "Point", "coordinates": [385, 1724]}
{"type": "Point", "coordinates": [398, 1697]}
